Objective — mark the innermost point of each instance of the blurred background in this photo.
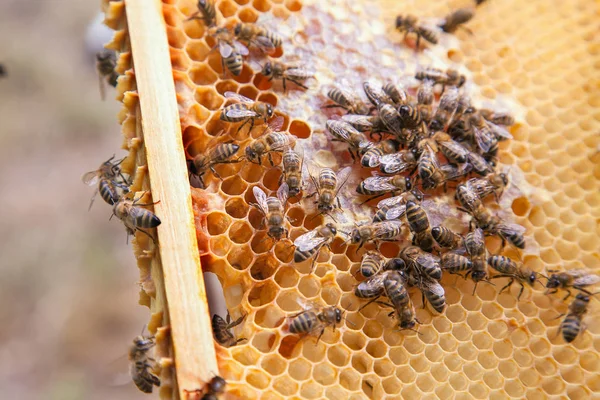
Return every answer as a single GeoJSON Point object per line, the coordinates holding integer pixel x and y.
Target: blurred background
{"type": "Point", "coordinates": [68, 293]}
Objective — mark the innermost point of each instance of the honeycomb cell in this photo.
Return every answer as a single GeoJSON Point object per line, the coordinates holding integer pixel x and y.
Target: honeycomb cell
{"type": "Point", "coordinates": [257, 378]}
{"type": "Point", "coordinates": [285, 385]}
{"type": "Point", "coordinates": [240, 232]}
{"type": "Point", "coordinates": [236, 207]}
{"type": "Point", "coordinates": [217, 223]}
{"type": "Point", "coordinates": [220, 246]}
{"type": "Point", "coordinates": [300, 129]}
{"type": "Point", "coordinates": [203, 75]}
{"type": "Point", "coordinates": [269, 317]}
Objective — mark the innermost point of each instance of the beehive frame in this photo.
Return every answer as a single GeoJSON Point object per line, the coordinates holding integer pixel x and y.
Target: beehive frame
{"type": "Point", "coordinates": [534, 211]}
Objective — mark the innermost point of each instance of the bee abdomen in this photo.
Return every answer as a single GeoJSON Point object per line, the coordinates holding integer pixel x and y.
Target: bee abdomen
{"type": "Point", "coordinates": [304, 322]}
{"type": "Point", "coordinates": [444, 236]}
{"type": "Point", "coordinates": [416, 217]}
{"type": "Point", "coordinates": [429, 35]}
{"type": "Point", "coordinates": [502, 264]}
{"type": "Point", "coordinates": [234, 64]}
{"type": "Point", "coordinates": [437, 301]}
{"type": "Point", "coordinates": [456, 263]}
{"type": "Point", "coordinates": [371, 157]}
{"type": "Point", "coordinates": [273, 37]}
{"type": "Point", "coordinates": [108, 192]}
{"type": "Point", "coordinates": [147, 219]}
{"type": "Point", "coordinates": [570, 327]}
{"type": "Point", "coordinates": [337, 96]}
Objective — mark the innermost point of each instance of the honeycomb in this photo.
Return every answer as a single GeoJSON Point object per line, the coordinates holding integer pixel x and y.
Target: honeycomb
{"type": "Point", "coordinates": [538, 60]}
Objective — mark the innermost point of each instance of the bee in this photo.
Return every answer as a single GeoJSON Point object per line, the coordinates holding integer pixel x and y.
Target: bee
{"type": "Point", "coordinates": [372, 156]}
{"type": "Point", "coordinates": [434, 293]}
{"type": "Point", "coordinates": [469, 200]}
{"type": "Point", "coordinates": [106, 62]}
{"type": "Point", "coordinates": [411, 117]}
{"type": "Point", "coordinates": [409, 23]}
{"type": "Point", "coordinates": [134, 216]}
{"type": "Point", "coordinates": [433, 175]}
{"type": "Point", "coordinates": [272, 142]}
{"type": "Point", "coordinates": [394, 122]}
{"type": "Point", "coordinates": [106, 178]}
{"type": "Point", "coordinates": [246, 110]}
{"type": "Point", "coordinates": [445, 111]}
{"type": "Point", "coordinates": [475, 245]}
{"type": "Point", "coordinates": [571, 325]}
{"type": "Point", "coordinates": [446, 238]}
{"type": "Point", "coordinates": [311, 321]}
{"type": "Point", "coordinates": [497, 118]}
{"type": "Point", "coordinates": [480, 165]}
{"type": "Point", "coordinates": [375, 93]}
{"type": "Point", "coordinates": [577, 279]}
{"type": "Point", "coordinates": [376, 231]}
{"type": "Point", "coordinates": [480, 133]}
{"type": "Point", "coordinates": [292, 171]}
{"type": "Point", "coordinates": [398, 162]}
{"type": "Point", "coordinates": [222, 330]}
{"type": "Point", "coordinates": [257, 35]}
{"type": "Point", "coordinates": [451, 149]}
{"type": "Point", "coordinates": [419, 226]}
{"type": "Point", "coordinates": [396, 292]}
{"type": "Point", "coordinates": [364, 123]}
{"type": "Point", "coordinates": [491, 225]}
{"type": "Point", "coordinates": [397, 94]}
{"type": "Point", "coordinates": [344, 132]}
{"type": "Point", "coordinates": [377, 186]}
{"type": "Point", "coordinates": [327, 189]}
{"type": "Point", "coordinates": [310, 244]}
{"type": "Point", "coordinates": [457, 18]}
{"type": "Point", "coordinates": [273, 209]}
{"type": "Point", "coordinates": [456, 263]}
{"type": "Point", "coordinates": [450, 77]}
{"type": "Point", "coordinates": [206, 12]}
{"type": "Point", "coordinates": [491, 184]}
{"type": "Point", "coordinates": [347, 100]}
{"type": "Point", "coordinates": [286, 72]}
{"type": "Point", "coordinates": [231, 51]}
{"type": "Point", "coordinates": [423, 264]}
{"type": "Point", "coordinates": [219, 153]}
{"type": "Point", "coordinates": [140, 364]}
{"type": "Point", "coordinates": [425, 98]}
{"type": "Point", "coordinates": [395, 207]}
{"type": "Point", "coordinates": [214, 387]}
{"type": "Point", "coordinates": [509, 269]}
{"type": "Point", "coordinates": [372, 288]}
{"type": "Point", "coordinates": [371, 263]}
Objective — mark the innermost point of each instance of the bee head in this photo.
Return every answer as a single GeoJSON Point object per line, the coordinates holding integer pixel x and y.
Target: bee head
{"type": "Point", "coordinates": [553, 282]}
{"type": "Point", "coordinates": [395, 264]}
{"type": "Point", "coordinates": [238, 29]}
{"type": "Point", "coordinates": [252, 155]}
{"type": "Point", "coordinates": [267, 69]}
{"type": "Point", "coordinates": [583, 297]}
{"type": "Point", "coordinates": [293, 191]}
{"type": "Point", "coordinates": [408, 183]}
{"type": "Point", "coordinates": [332, 228]}
{"type": "Point", "coordinates": [355, 236]}
{"type": "Point", "coordinates": [436, 232]}
{"type": "Point", "coordinates": [269, 110]}
{"type": "Point", "coordinates": [478, 275]}
{"type": "Point", "coordinates": [217, 384]}
{"type": "Point", "coordinates": [531, 278]}
{"type": "Point", "coordinates": [338, 315]}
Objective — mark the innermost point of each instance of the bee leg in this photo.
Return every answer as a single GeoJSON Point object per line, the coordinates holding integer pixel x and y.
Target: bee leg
{"type": "Point", "coordinates": [321, 334]}
{"type": "Point", "coordinates": [521, 291]}
{"type": "Point", "coordinates": [241, 126]}
{"type": "Point", "coordinates": [509, 284]}
{"type": "Point", "coordinates": [215, 173]}
{"type": "Point", "coordinates": [297, 83]}
{"type": "Point", "coordinates": [284, 87]}
{"type": "Point", "coordinates": [270, 157]}
{"type": "Point", "coordinates": [240, 340]}
{"type": "Point", "coordinates": [568, 294]}
{"type": "Point", "coordinates": [367, 303]}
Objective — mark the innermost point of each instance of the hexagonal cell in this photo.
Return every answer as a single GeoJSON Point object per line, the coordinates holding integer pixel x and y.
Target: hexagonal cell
{"type": "Point", "coordinates": [207, 97]}
{"type": "Point", "coordinates": [262, 293]}
{"type": "Point", "coordinates": [257, 378]}
{"type": "Point", "coordinates": [263, 267]}
{"type": "Point", "coordinates": [309, 286]}
{"type": "Point", "coordinates": [269, 317]}
{"type": "Point", "coordinates": [217, 223]}
{"type": "Point", "coordinates": [236, 207]}
{"type": "Point", "coordinates": [260, 5]}
{"type": "Point", "coordinates": [264, 341]}
{"type": "Point", "coordinates": [202, 75]}
{"type": "Point", "coordinates": [245, 355]}
{"type": "Point", "coordinates": [361, 363]}
{"type": "Point", "coordinates": [300, 129]}
{"type": "Point", "coordinates": [285, 385]}
{"type": "Point", "coordinates": [220, 246]}
{"type": "Point", "coordinates": [240, 232]}
{"type": "Point", "coordinates": [376, 348]}
{"type": "Point", "coordinates": [234, 186]}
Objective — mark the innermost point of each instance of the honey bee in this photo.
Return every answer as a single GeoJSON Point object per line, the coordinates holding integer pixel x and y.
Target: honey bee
{"type": "Point", "coordinates": [106, 179]}
{"type": "Point", "coordinates": [286, 72]}
{"type": "Point", "coordinates": [327, 190]}
{"type": "Point", "coordinates": [446, 238]}
{"type": "Point", "coordinates": [347, 100]}
{"type": "Point", "coordinates": [397, 94]}
{"type": "Point", "coordinates": [206, 12]}
{"type": "Point", "coordinates": [451, 149]}
{"type": "Point", "coordinates": [423, 264]}
{"type": "Point", "coordinates": [398, 162]}
{"type": "Point", "coordinates": [273, 209]}
{"type": "Point", "coordinates": [257, 35]}
{"type": "Point", "coordinates": [310, 244]}
{"type": "Point", "coordinates": [498, 118]}
{"type": "Point", "coordinates": [219, 153]}
{"type": "Point", "coordinates": [372, 156]}
{"type": "Point", "coordinates": [475, 245]}
{"type": "Point", "coordinates": [480, 133]}
{"type": "Point", "coordinates": [396, 292]}
{"type": "Point", "coordinates": [411, 118]}
{"type": "Point", "coordinates": [376, 231]}
{"type": "Point", "coordinates": [272, 142]}
{"type": "Point", "coordinates": [394, 122]}
{"type": "Point", "coordinates": [457, 18]}
{"type": "Point", "coordinates": [213, 388]}
{"type": "Point", "coordinates": [577, 279]}
{"type": "Point", "coordinates": [445, 111]}
{"type": "Point", "coordinates": [450, 77]}
{"type": "Point", "coordinates": [344, 132]}
{"type": "Point", "coordinates": [419, 226]}
{"type": "Point", "coordinates": [246, 110]}
{"type": "Point", "coordinates": [491, 225]}
{"type": "Point", "coordinates": [371, 263]}
{"type": "Point", "coordinates": [434, 293]}
{"type": "Point", "coordinates": [433, 175]}
{"type": "Point", "coordinates": [571, 326]}
{"type": "Point", "coordinates": [456, 263]}
{"type": "Point", "coordinates": [491, 184]}
{"type": "Point", "coordinates": [425, 98]}
{"type": "Point", "coordinates": [231, 50]}
{"type": "Point", "coordinates": [106, 62]}
{"type": "Point", "coordinates": [376, 94]}
{"type": "Point", "coordinates": [222, 330]}
{"type": "Point", "coordinates": [480, 165]}
{"type": "Point", "coordinates": [364, 123]}
{"type": "Point", "coordinates": [509, 269]}
{"type": "Point", "coordinates": [395, 207]}
{"type": "Point", "coordinates": [140, 364]}
{"type": "Point", "coordinates": [372, 288]}
{"type": "Point", "coordinates": [292, 171]}
{"type": "Point", "coordinates": [410, 24]}
{"type": "Point", "coordinates": [310, 321]}
{"type": "Point", "coordinates": [134, 216]}
{"type": "Point", "coordinates": [377, 186]}
{"type": "Point", "coordinates": [469, 200]}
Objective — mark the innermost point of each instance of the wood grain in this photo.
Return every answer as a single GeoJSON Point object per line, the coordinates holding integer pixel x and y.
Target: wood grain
{"type": "Point", "coordinates": [195, 357]}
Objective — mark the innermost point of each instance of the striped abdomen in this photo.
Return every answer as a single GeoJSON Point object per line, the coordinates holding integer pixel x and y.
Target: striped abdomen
{"type": "Point", "coordinates": [339, 97]}
{"type": "Point", "coordinates": [503, 264]}
{"type": "Point", "coordinates": [456, 263]}
{"type": "Point", "coordinates": [437, 300]}
{"type": "Point", "coordinates": [396, 292]}
{"type": "Point", "coordinates": [234, 64]}
{"type": "Point", "coordinates": [410, 116]}
{"type": "Point", "coordinates": [304, 322]}
{"type": "Point", "coordinates": [143, 218]}
{"type": "Point", "coordinates": [428, 35]}
{"type": "Point", "coordinates": [445, 237]}
{"type": "Point", "coordinates": [223, 152]}
{"type": "Point", "coordinates": [108, 191]}
{"type": "Point", "coordinates": [274, 38]}
{"type": "Point", "coordinates": [416, 217]}
{"type": "Point", "coordinates": [571, 326]}
{"type": "Point", "coordinates": [327, 179]}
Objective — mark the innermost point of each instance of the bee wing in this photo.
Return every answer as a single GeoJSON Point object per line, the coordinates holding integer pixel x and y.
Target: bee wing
{"type": "Point", "coordinates": [264, 44]}
{"type": "Point", "coordinates": [395, 212]}
{"type": "Point", "coordinates": [90, 178]}
{"type": "Point", "coordinates": [309, 240]}
{"type": "Point", "coordinates": [383, 228]}
{"type": "Point", "coordinates": [427, 260]}
{"type": "Point", "coordinates": [500, 132]}
{"type": "Point", "coordinates": [394, 163]}
{"type": "Point", "coordinates": [276, 123]}
{"type": "Point", "coordinates": [453, 173]}
{"type": "Point", "coordinates": [392, 201]}
{"type": "Point", "coordinates": [282, 193]}
{"type": "Point", "coordinates": [484, 138]}
{"type": "Point", "coordinates": [297, 72]}
{"type": "Point", "coordinates": [432, 286]}
{"type": "Point", "coordinates": [237, 97]}
{"type": "Point", "coordinates": [480, 186]}
{"type": "Point", "coordinates": [342, 177]}
{"type": "Point", "coordinates": [378, 184]}
{"type": "Point", "coordinates": [240, 48]}
{"type": "Point", "coordinates": [480, 161]}
{"type": "Point", "coordinates": [102, 86]}
{"type": "Point", "coordinates": [455, 147]}
{"type": "Point", "coordinates": [360, 122]}
{"type": "Point", "coordinates": [239, 113]}
{"type": "Point", "coordinates": [340, 129]}
{"type": "Point", "coordinates": [261, 199]}
{"type": "Point", "coordinates": [587, 280]}
{"type": "Point", "coordinates": [578, 272]}
{"type": "Point", "coordinates": [512, 228]}
{"type": "Point", "coordinates": [225, 49]}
